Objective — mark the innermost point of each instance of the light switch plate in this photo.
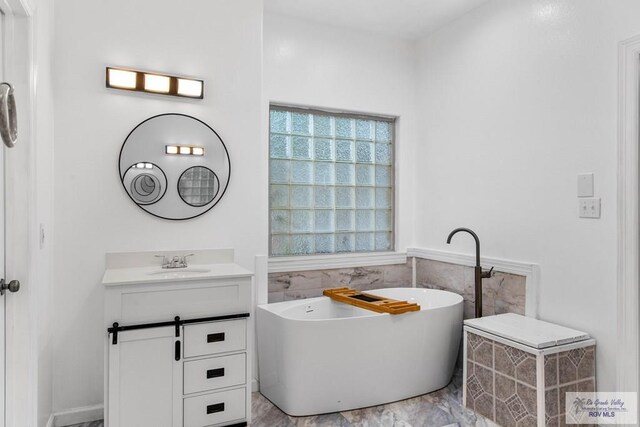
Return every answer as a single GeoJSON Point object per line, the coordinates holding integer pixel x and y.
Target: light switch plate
{"type": "Point", "coordinates": [585, 185]}
{"type": "Point", "coordinates": [589, 207]}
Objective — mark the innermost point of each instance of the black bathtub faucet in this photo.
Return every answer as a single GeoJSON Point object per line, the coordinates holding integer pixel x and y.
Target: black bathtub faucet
{"type": "Point", "coordinates": [479, 273]}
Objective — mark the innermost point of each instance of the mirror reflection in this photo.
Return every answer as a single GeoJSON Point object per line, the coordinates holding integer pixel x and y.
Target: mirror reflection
{"type": "Point", "coordinates": [198, 186]}
{"type": "Point", "coordinates": [147, 183]}
{"type": "Point", "coordinates": [174, 166]}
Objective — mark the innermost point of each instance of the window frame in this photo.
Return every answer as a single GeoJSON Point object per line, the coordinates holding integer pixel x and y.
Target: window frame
{"type": "Point", "coordinates": [335, 113]}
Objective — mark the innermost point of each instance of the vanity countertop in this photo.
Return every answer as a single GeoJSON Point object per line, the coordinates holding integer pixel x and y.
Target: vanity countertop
{"type": "Point", "coordinates": [129, 268]}
{"type": "Point", "coordinates": [156, 274]}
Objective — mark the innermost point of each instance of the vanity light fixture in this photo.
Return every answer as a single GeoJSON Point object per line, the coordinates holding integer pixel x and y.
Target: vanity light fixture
{"type": "Point", "coordinates": [185, 150]}
{"type": "Point", "coordinates": [143, 166]}
{"type": "Point", "coordinates": [142, 81]}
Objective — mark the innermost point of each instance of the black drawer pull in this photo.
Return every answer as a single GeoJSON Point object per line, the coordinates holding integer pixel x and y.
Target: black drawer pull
{"type": "Point", "coordinates": [215, 373]}
{"type": "Point", "coordinates": [216, 407]}
{"type": "Point", "coordinates": [215, 337]}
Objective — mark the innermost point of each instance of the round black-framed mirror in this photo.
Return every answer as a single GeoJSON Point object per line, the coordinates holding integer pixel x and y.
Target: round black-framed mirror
{"type": "Point", "coordinates": [155, 157]}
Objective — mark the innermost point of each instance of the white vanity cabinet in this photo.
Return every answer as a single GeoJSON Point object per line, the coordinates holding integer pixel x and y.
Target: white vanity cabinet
{"type": "Point", "coordinates": [177, 346]}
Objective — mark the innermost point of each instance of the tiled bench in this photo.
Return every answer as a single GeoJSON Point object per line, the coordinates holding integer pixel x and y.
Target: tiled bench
{"type": "Point", "coordinates": [519, 385]}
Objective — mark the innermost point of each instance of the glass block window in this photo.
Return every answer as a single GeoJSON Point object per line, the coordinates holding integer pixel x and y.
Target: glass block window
{"type": "Point", "coordinates": [330, 182]}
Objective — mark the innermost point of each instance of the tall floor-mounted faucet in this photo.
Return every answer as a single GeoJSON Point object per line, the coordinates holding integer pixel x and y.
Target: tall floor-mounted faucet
{"type": "Point", "coordinates": [479, 273]}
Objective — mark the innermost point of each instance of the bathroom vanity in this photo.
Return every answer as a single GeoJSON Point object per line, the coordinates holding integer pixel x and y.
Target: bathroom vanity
{"type": "Point", "coordinates": [177, 340]}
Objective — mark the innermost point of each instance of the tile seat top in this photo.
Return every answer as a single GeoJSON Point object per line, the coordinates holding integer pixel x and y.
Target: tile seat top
{"type": "Point", "coordinates": [527, 330]}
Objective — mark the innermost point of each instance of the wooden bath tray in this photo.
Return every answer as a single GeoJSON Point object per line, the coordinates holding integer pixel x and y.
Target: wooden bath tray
{"type": "Point", "coordinates": [370, 302]}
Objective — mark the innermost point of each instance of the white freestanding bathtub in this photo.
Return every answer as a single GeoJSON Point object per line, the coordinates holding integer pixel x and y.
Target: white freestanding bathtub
{"type": "Point", "coordinates": [317, 355]}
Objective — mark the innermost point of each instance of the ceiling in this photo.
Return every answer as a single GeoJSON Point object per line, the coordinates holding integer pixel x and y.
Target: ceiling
{"type": "Point", "coordinates": [408, 19]}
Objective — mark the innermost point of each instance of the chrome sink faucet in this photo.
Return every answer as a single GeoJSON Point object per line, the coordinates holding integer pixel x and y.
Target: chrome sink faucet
{"type": "Point", "coordinates": [175, 261]}
{"type": "Point", "coordinates": [479, 273]}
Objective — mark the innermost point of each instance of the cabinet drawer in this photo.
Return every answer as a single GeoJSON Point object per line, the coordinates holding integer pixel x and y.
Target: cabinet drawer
{"type": "Point", "coordinates": [215, 337]}
{"type": "Point", "coordinates": [215, 408]}
{"type": "Point", "coordinates": [189, 301]}
{"type": "Point", "coordinates": [214, 373]}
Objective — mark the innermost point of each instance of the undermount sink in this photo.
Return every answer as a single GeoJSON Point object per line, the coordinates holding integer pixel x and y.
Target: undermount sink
{"type": "Point", "coordinates": [180, 271]}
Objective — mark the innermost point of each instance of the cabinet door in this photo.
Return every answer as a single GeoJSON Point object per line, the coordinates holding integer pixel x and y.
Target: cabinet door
{"type": "Point", "coordinates": [145, 380]}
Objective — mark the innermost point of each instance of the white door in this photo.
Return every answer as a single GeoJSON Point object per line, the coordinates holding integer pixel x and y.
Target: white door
{"type": "Point", "coordinates": [2, 244]}
{"type": "Point", "coordinates": [8, 139]}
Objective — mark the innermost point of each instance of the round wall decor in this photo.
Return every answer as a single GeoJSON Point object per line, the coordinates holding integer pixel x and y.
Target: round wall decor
{"type": "Point", "coordinates": [174, 166]}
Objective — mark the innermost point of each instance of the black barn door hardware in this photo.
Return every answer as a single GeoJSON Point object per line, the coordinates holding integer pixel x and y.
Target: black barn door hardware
{"type": "Point", "coordinates": [116, 328]}
{"type": "Point", "coordinates": [178, 351]}
{"type": "Point", "coordinates": [177, 322]}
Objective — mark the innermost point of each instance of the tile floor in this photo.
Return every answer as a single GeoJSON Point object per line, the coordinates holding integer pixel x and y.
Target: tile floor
{"type": "Point", "coordinates": [438, 409]}
{"type": "Point", "coordinates": [91, 424]}
{"type": "Point", "coordinates": [442, 408]}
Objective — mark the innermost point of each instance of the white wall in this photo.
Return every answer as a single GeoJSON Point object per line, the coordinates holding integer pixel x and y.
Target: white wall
{"type": "Point", "coordinates": [315, 65]}
{"type": "Point", "coordinates": [219, 41]}
{"type": "Point", "coordinates": [514, 100]}
{"type": "Point", "coordinates": [42, 257]}
{"type": "Point", "coordinates": [517, 98]}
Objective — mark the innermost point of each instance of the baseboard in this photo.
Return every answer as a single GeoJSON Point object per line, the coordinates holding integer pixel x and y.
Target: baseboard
{"type": "Point", "coordinates": [85, 414]}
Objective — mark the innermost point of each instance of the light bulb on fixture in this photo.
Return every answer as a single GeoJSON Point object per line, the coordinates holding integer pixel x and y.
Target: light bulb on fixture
{"type": "Point", "coordinates": [121, 79]}
{"type": "Point", "coordinates": [155, 83]}
{"type": "Point", "coordinates": [190, 88]}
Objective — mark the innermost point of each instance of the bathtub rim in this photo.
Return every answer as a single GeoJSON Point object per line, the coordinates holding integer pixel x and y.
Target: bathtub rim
{"type": "Point", "coordinates": [370, 314]}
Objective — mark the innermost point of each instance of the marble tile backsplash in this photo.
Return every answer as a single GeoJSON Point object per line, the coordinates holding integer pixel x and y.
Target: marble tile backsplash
{"type": "Point", "coordinates": [502, 293]}
{"type": "Point", "coordinates": [308, 284]}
